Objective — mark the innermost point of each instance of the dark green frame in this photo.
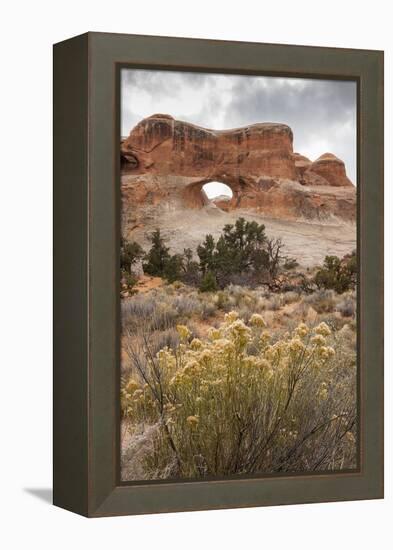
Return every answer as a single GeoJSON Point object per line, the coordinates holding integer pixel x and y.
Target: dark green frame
{"type": "Point", "coordinates": [86, 303]}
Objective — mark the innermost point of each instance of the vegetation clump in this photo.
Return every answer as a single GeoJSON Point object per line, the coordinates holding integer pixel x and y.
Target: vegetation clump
{"type": "Point", "coordinates": [337, 274]}
{"type": "Point", "coordinates": [243, 254]}
{"type": "Point", "coordinates": [208, 282]}
{"type": "Point", "coordinates": [130, 254]}
{"type": "Point", "coordinates": [241, 400]}
{"type": "Point", "coordinates": [237, 362]}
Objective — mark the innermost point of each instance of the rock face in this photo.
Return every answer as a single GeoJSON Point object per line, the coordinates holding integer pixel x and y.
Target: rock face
{"type": "Point", "coordinates": [162, 145]}
{"type": "Point", "coordinates": [166, 162]}
{"type": "Point", "coordinates": [332, 169]}
{"type": "Point", "coordinates": [302, 163]}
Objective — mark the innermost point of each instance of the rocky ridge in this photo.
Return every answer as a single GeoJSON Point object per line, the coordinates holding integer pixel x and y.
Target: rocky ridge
{"type": "Point", "coordinates": [166, 162]}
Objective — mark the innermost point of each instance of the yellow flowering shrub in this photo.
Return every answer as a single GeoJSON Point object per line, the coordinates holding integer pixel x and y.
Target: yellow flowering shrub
{"type": "Point", "coordinates": [245, 401]}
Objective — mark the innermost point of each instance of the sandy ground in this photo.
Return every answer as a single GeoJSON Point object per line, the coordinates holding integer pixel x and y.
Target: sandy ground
{"type": "Point", "coordinates": [146, 283]}
{"type": "Point", "coordinates": [308, 242]}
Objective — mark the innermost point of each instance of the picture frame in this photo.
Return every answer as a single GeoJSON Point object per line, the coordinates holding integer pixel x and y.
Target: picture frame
{"type": "Point", "coordinates": [86, 413]}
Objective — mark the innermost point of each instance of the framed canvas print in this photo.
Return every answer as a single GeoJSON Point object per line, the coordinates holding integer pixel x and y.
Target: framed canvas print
{"type": "Point", "coordinates": [218, 260]}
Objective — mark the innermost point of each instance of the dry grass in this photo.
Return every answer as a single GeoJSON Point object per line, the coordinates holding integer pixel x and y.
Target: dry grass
{"type": "Point", "coordinates": [307, 436]}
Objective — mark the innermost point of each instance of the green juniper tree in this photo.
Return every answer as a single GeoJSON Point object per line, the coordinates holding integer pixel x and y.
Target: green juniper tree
{"type": "Point", "coordinates": [241, 249]}
{"type": "Point", "coordinates": [191, 273]}
{"type": "Point", "coordinates": [242, 254]}
{"type": "Point", "coordinates": [243, 241]}
{"type": "Point", "coordinates": [130, 253]}
{"type": "Point", "coordinates": [160, 263]}
{"type": "Point", "coordinates": [157, 257]}
{"type": "Point", "coordinates": [206, 254]}
{"type": "Point", "coordinates": [208, 283]}
{"type": "Point", "coordinates": [336, 274]}
{"type": "Point", "coordinates": [173, 268]}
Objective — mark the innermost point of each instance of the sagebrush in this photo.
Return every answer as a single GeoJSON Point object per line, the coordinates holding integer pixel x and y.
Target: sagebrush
{"type": "Point", "coordinates": [241, 400]}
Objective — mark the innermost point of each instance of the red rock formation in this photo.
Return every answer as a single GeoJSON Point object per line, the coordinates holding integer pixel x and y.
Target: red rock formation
{"type": "Point", "coordinates": [162, 145]}
{"type": "Point", "coordinates": [166, 162]}
{"type": "Point", "coordinates": [332, 169]}
{"type": "Point", "coordinates": [302, 163]}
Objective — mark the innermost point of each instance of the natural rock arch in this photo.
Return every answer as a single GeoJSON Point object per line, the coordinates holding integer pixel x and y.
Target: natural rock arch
{"type": "Point", "coordinates": [166, 162]}
{"type": "Point", "coordinates": [194, 195]}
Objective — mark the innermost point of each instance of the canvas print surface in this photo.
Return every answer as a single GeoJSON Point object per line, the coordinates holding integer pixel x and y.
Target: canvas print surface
{"type": "Point", "coordinates": [238, 276]}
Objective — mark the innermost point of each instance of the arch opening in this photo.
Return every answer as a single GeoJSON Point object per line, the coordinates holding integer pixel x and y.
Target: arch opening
{"type": "Point", "coordinates": [216, 190]}
{"type": "Point", "coordinates": [211, 192]}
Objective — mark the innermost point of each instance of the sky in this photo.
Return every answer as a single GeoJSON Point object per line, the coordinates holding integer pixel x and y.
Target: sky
{"type": "Point", "coordinates": [321, 113]}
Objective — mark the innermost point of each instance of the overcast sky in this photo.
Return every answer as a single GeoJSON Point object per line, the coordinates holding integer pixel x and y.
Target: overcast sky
{"type": "Point", "coordinates": [321, 113]}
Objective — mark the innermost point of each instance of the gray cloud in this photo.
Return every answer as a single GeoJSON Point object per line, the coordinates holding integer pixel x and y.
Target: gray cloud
{"type": "Point", "coordinates": [161, 83]}
{"type": "Point", "coordinates": [321, 113]}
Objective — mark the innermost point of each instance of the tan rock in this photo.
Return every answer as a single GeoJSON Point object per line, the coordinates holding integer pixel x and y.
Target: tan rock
{"type": "Point", "coordinates": [302, 163]}
{"type": "Point", "coordinates": [332, 169]}
{"type": "Point", "coordinates": [162, 145]}
{"type": "Point", "coordinates": [166, 162]}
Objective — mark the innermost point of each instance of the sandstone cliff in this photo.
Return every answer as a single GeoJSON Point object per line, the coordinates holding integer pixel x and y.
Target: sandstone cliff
{"type": "Point", "coordinates": [166, 162]}
{"type": "Point", "coordinates": [161, 145]}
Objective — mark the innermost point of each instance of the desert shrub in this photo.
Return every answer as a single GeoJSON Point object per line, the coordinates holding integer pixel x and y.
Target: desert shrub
{"type": "Point", "coordinates": [274, 303]}
{"type": "Point", "coordinates": [334, 321]}
{"type": "Point", "coordinates": [238, 294]}
{"type": "Point", "coordinates": [165, 316]}
{"type": "Point", "coordinates": [186, 306]}
{"type": "Point", "coordinates": [290, 263]}
{"type": "Point", "coordinates": [236, 402]}
{"type": "Point", "coordinates": [162, 308]}
{"type": "Point", "coordinates": [140, 307]}
{"type": "Point", "coordinates": [178, 285]}
{"type": "Point", "coordinates": [245, 313]}
{"type": "Point", "coordinates": [222, 300]}
{"type": "Point", "coordinates": [244, 300]}
{"type": "Point", "coordinates": [128, 282]}
{"type": "Point", "coordinates": [290, 297]}
{"type": "Point", "coordinates": [208, 283]}
{"type": "Point", "coordinates": [246, 278]}
{"type": "Point", "coordinates": [306, 285]}
{"type": "Point", "coordinates": [160, 339]}
{"type": "Point", "coordinates": [322, 301]}
{"type": "Point", "coordinates": [260, 303]}
{"type": "Point", "coordinates": [144, 310]}
{"type": "Point", "coordinates": [337, 274]}
{"type": "Point", "coordinates": [347, 337]}
{"type": "Point", "coordinates": [170, 290]}
{"type": "Point", "coordinates": [208, 309]}
{"type": "Point", "coordinates": [130, 253]}
{"type": "Point", "coordinates": [347, 306]}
